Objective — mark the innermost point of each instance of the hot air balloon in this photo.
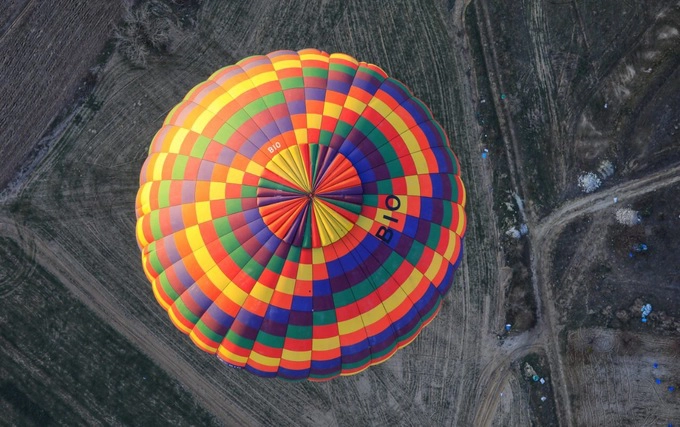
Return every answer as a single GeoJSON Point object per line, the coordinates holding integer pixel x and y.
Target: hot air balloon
{"type": "Point", "coordinates": [300, 215]}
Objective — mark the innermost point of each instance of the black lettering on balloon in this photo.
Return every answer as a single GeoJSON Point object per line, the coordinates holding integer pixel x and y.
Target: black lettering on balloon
{"type": "Point", "coordinates": [384, 233]}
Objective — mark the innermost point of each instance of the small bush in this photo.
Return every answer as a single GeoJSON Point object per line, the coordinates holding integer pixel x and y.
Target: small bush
{"type": "Point", "coordinates": [149, 28]}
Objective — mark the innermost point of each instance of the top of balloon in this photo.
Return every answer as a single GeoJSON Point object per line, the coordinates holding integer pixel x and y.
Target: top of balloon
{"type": "Point", "coordinates": [300, 215]}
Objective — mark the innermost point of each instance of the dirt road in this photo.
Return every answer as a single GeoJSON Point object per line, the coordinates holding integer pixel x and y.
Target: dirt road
{"type": "Point", "coordinates": [543, 234]}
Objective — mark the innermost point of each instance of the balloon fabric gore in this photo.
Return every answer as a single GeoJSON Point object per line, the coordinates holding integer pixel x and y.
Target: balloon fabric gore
{"type": "Point", "coordinates": [300, 215]}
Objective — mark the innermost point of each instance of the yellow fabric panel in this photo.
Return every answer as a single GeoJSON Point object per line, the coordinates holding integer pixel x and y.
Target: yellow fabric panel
{"type": "Point", "coordinates": [161, 301]}
{"type": "Point", "coordinates": [219, 103]}
{"type": "Point", "coordinates": [411, 142]}
{"type": "Point", "coordinates": [332, 226]}
{"type": "Point", "coordinates": [254, 168]}
{"type": "Point", "coordinates": [296, 356]}
{"type": "Point", "coordinates": [262, 292]}
{"type": "Point", "coordinates": [461, 223]}
{"type": "Point", "coordinates": [421, 163]}
{"type": "Point", "coordinates": [297, 166]}
{"type": "Point", "coordinates": [285, 285]}
{"type": "Point", "coordinates": [290, 63]}
{"type": "Point", "coordinates": [139, 231]}
{"type": "Point", "coordinates": [218, 278]}
{"type": "Point", "coordinates": [144, 198]}
{"type": "Point", "coordinates": [318, 256]}
{"type": "Point", "coordinates": [177, 322]}
{"type": "Point", "coordinates": [264, 360]}
{"type": "Point", "coordinates": [301, 136]}
{"type": "Point", "coordinates": [240, 88]}
{"type": "Point", "coordinates": [374, 315]}
{"type": "Point", "coordinates": [203, 213]}
{"type": "Point", "coordinates": [382, 108]}
{"type": "Point", "coordinates": [350, 326]}
{"type": "Point", "coordinates": [202, 345]}
{"type": "Point", "coordinates": [217, 190]}
{"type": "Point", "coordinates": [354, 104]}
{"type": "Point", "coordinates": [314, 121]}
{"type": "Point", "coordinates": [322, 222]}
{"type": "Point", "coordinates": [262, 78]}
{"type": "Point", "coordinates": [411, 283]}
{"type": "Point", "coordinates": [202, 121]}
{"type": "Point", "coordinates": [434, 267]}
{"type": "Point", "coordinates": [394, 300]}
{"type": "Point", "coordinates": [332, 110]}
{"type": "Point", "coordinates": [235, 293]}
{"type": "Point", "coordinates": [412, 185]}
{"type": "Point", "coordinates": [313, 57]}
{"type": "Point", "coordinates": [323, 344]}
{"type": "Point", "coordinates": [158, 166]}
{"type": "Point", "coordinates": [204, 260]}
{"type": "Point", "coordinates": [345, 57]}
{"type": "Point", "coordinates": [194, 237]}
{"type": "Point", "coordinates": [234, 176]}
{"type": "Point", "coordinates": [451, 247]}
{"type": "Point", "coordinates": [178, 140]}
{"type": "Point", "coordinates": [365, 222]}
{"type": "Point", "coordinates": [304, 272]}
{"type": "Point", "coordinates": [397, 123]}
{"type": "Point", "coordinates": [232, 358]}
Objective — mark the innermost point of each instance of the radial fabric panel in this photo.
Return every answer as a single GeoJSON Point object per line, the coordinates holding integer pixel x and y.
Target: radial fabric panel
{"type": "Point", "coordinates": [300, 215]}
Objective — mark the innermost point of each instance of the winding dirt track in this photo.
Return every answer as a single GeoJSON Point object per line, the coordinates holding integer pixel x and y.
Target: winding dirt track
{"type": "Point", "coordinates": [543, 234]}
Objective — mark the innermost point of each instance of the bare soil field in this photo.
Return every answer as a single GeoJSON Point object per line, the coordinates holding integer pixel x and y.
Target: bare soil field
{"type": "Point", "coordinates": [507, 76]}
{"type": "Point", "coordinates": [48, 60]}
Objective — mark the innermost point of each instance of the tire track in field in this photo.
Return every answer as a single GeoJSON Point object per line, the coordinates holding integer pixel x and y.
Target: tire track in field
{"type": "Point", "coordinates": [538, 29]}
{"type": "Point", "coordinates": [58, 261]}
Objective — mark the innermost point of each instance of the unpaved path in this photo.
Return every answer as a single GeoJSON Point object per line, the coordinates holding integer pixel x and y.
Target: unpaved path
{"type": "Point", "coordinates": [543, 233]}
{"type": "Point", "coordinates": [545, 335]}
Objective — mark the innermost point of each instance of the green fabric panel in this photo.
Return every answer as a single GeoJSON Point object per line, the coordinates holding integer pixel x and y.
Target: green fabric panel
{"type": "Point", "coordinates": [315, 72]}
{"type": "Point", "coordinates": [324, 317]}
{"type": "Point", "coordinates": [182, 308]}
{"type": "Point", "coordinates": [275, 264]}
{"type": "Point", "coordinates": [155, 262]}
{"type": "Point", "coordinates": [238, 340]}
{"type": "Point", "coordinates": [435, 236]}
{"type": "Point", "coordinates": [199, 147]}
{"type": "Point", "coordinates": [248, 191]}
{"type": "Point", "coordinates": [325, 137]}
{"type": "Point", "coordinates": [222, 226]}
{"type": "Point", "coordinates": [234, 206]}
{"type": "Point", "coordinates": [253, 269]}
{"type": "Point", "coordinates": [269, 340]}
{"type": "Point", "coordinates": [255, 107]}
{"type": "Point", "coordinates": [179, 167]}
{"type": "Point", "coordinates": [154, 222]}
{"type": "Point", "coordinates": [299, 332]}
{"type": "Point", "coordinates": [334, 66]}
{"type": "Point", "coordinates": [164, 194]}
{"type": "Point", "coordinates": [415, 252]}
{"type": "Point", "coordinates": [343, 298]}
{"type": "Point", "coordinates": [167, 288]}
{"type": "Point", "coordinates": [224, 134]}
{"type": "Point", "coordinates": [292, 83]}
{"type": "Point", "coordinates": [205, 330]}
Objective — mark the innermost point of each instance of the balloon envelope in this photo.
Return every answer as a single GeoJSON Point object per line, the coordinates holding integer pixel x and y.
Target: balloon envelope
{"type": "Point", "coordinates": [300, 215]}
